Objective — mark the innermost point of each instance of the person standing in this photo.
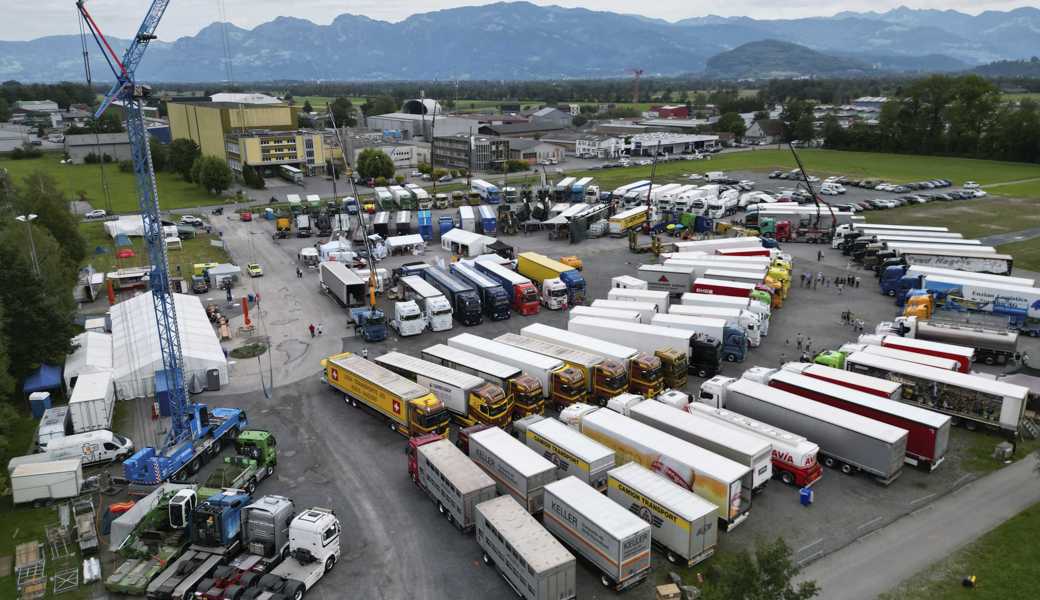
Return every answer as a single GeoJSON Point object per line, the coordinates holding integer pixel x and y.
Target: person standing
{"type": "Point", "coordinates": [799, 340]}
{"type": "Point", "coordinates": [819, 256]}
{"type": "Point", "coordinates": [311, 329]}
{"type": "Point", "coordinates": [299, 273]}
{"type": "Point", "coordinates": [857, 281]}
{"type": "Point", "coordinates": [364, 352]}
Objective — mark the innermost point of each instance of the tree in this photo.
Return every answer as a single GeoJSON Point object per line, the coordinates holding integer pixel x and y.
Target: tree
{"type": "Point", "coordinates": [380, 181]}
{"type": "Point", "coordinates": [732, 122]}
{"type": "Point", "coordinates": [307, 108]}
{"type": "Point", "coordinates": [5, 111]}
{"type": "Point", "coordinates": [160, 154]}
{"type": "Point", "coordinates": [380, 105]}
{"type": "Point", "coordinates": [214, 174]}
{"type": "Point", "coordinates": [373, 162]}
{"type": "Point", "coordinates": [579, 120]}
{"type": "Point", "coordinates": [438, 173]}
{"type": "Point", "coordinates": [182, 155]}
{"type": "Point", "coordinates": [109, 123]}
{"type": "Point", "coordinates": [39, 194]}
{"type": "Point", "coordinates": [399, 179]}
{"type": "Point", "coordinates": [766, 576]}
{"type": "Point", "coordinates": [803, 128]}
{"type": "Point", "coordinates": [253, 179]}
{"type": "Point", "coordinates": [196, 171]}
{"type": "Point", "coordinates": [342, 110]}
{"type": "Point", "coordinates": [424, 168]}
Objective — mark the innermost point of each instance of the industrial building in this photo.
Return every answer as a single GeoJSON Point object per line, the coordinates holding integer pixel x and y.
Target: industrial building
{"type": "Point", "coordinates": [207, 123]}
{"type": "Point", "coordinates": [405, 155]}
{"type": "Point", "coordinates": [533, 151]}
{"type": "Point", "coordinates": [646, 144]}
{"type": "Point", "coordinates": [671, 111]}
{"type": "Point", "coordinates": [413, 126]}
{"type": "Point", "coordinates": [264, 150]}
{"type": "Point", "coordinates": [476, 153]}
{"type": "Point", "coordinates": [521, 129]}
{"type": "Point", "coordinates": [116, 145]}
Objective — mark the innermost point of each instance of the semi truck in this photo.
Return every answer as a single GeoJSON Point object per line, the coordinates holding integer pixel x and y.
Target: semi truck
{"type": "Point", "coordinates": [1020, 305]}
{"type": "Point", "coordinates": [972, 399]}
{"type": "Point", "coordinates": [528, 557]}
{"type": "Point", "coordinates": [255, 457]}
{"type": "Point", "coordinates": [759, 309]}
{"type": "Point", "coordinates": [732, 338]}
{"type": "Point", "coordinates": [794, 457]}
{"type": "Point", "coordinates": [632, 218]}
{"type": "Point", "coordinates": [836, 358]}
{"type": "Point", "coordinates": [760, 280]}
{"type": "Point", "coordinates": [487, 220]}
{"type": "Point", "coordinates": [523, 295]}
{"type": "Point", "coordinates": [683, 524]}
{"type": "Point", "coordinates": [464, 299]}
{"type": "Point", "coordinates": [719, 287]}
{"type": "Point", "coordinates": [523, 391]}
{"type": "Point", "coordinates": [384, 199]}
{"type": "Point", "coordinates": [467, 219]}
{"type": "Point", "coordinates": [488, 193]}
{"type": "Point", "coordinates": [434, 307]}
{"type": "Point", "coordinates": [616, 541]}
{"type": "Point", "coordinates": [645, 369]}
{"type": "Point", "coordinates": [646, 310]}
{"type": "Point", "coordinates": [719, 480]}
{"type": "Point", "coordinates": [847, 440]}
{"type": "Point", "coordinates": [571, 452]}
{"type": "Point", "coordinates": [561, 384]}
{"type": "Point", "coordinates": [750, 451]}
{"type": "Point", "coordinates": [702, 357]}
{"type": "Point", "coordinates": [407, 407]}
{"type": "Point", "coordinates": [604, 377]}
{"type": "Point", "coordinates": [964, 259]}
{"type": "Point", "coordinates": [745, 320]}
{"type": "Point", "coordinates": [710, 246]}
{"type": "Point", "coordinates": [892, 282]}
{"type": "Point", "coordinates": [964, 356]}
{"type": "Point", "coordinates": [314, 550]}
{"type": "Point", "coordinates": [882, 388]}
{"type": "Point", "coordinates": [338, 281]}
{"type": "Point", "coordinates": [928, 432]}
{"type": "Point", "coordinates": [991, 346]}
{"type": "Point", "coordinates": [402, 197]}
{"type": "Point", "coordinates": [517, 470]}
{"type": "Point", "coordinates": [408, 319]}
{"type": "Point", "coordinates": [539, 269]}
{"type": "Point", "coordinates": [659, 298]}
{"type": "Point", "coordinates": [492, 297]}
{"type": "Point", "coordinates": [449, 478]}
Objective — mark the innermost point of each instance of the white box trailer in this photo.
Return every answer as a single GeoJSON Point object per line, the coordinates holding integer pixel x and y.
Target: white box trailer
{"type": "Point", "coordinates": [676, 279]}
{"type": "Point", "coordinates": [710, 246]}
{"type": "Point", "coordinates": [661, 299]}
{"type": "Point", "coordinates": [571, 452]}
{"type": "Point", "coordinates": [915, 270]}
{"type": "Point", "coordinates": [610, 537]}
{"type": "Point", "coordinates": [453, 481]}
{"type": "Point", "coordinates": [645, 338]}
{"type": "Point", "coordinates": [491, 371]}
{"type": "Point", "coordinates": [882, 388]}
{"type": "Point", "coordinates": [736, 276]}
{"type": "Point", "coordinates": [646, 310]}
{"type": "Point", "coordinates": [746, 320]}
{"type": "Point", "coordinates": [759, 309]}
{"type": "Point", "coordinates": [922, 359]}
{"type": "Point", "coordinates": [846, 440]}
{"type": "Point", "coordinates": [748, 450]}
{"type": "Point", "coordinates": [541, 331]}
{"type": "Point", "coordinates": [719, 480]}
{"type": "Point", "coordinates": [92, 402]}
{"type": "Point", "coordinates": [627, 281]}
{"type": "Point", "coordinates": [528, 557]}
{"type": "Point", "coordinates": [539, 366]}
{"type": "Point", "coordinates": [42, 482]}
{"type": "Point", "coordinates": [55, 423]}
{"type": "Point", "coordinates": [343, 284]}
{"type": "Point", "coordinates": [701, 265]}
{"type": "Point", "coordinates": [682, 523]}
{"type": "Point", "coordinates": [516, 469]}
{"type": "Point", "coordinates": [597, 312]}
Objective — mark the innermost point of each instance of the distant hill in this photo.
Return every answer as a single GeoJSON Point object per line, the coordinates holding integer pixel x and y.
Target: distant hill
{"type": "Point", "coordinates": [1010, 68]}
{"type": "Point", "coordinates": [774, 59]}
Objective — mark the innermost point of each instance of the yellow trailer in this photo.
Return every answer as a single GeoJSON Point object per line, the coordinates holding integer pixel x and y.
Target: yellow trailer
{"type": "Point", "coordinates": [409, 408]}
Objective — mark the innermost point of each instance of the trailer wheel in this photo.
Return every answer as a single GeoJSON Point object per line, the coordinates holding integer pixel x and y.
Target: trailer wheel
{"type": "Point", "coordinates": [989, 360]}
{"type": "Point", "coordinates": [787, 477]}
{"type": "Point", "coordinates": [846, 469]}
{"type": "Point", "coordinates": [829, 461]}
{"type": "Point", "coordinates": [206, 585]}
{"type": "Point", "coordinates": [251, 487]}
{"type": "Point", "coordinates": [487, 559]}
{"type": "Point", "coordinates": [251, 593]}
{"type": "Point", "coordinates": [393, 426]}
{"type": "Point", "coordinates": [330, 562]}
{"type": "Point", "coordinates": [605, 581]}
{"type": "Point", "coordinates": [233, 592]}
{"type": "Point", "coordinates": [971, 425]}
{"type": "Point", "coordinates": [440, 508]}
{"type": "Point", "coordinates": [731, 357]}
{"type": "Point", "coordinates": [270, 583]}
{"type": "Point", "coordinates": [233, 434]}
{"type": "Point", "coordinates": [702, 373]}
{"type": "Point", "coordinates": [671, 558]}
{"type": "Point", "coordinates": [223, 572]}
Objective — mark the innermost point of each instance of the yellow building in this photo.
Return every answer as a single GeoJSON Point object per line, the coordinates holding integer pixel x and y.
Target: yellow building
{"type": "Point", "coordinates": [265, 150]}
{"type": "Point", "coordinates": [207, 123]}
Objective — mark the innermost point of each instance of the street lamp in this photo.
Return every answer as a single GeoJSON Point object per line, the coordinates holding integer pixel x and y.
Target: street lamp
{"type": "Point", "coordinates": [28, 219]}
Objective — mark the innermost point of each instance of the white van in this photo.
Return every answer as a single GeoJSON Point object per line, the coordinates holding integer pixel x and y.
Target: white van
{"type": "Point", "coordinates": [92, 447]}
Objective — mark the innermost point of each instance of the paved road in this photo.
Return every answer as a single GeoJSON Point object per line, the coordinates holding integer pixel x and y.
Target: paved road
{"type": "Point", "coordinates": [1011, 237]}
{"type": "Point", "coordinates": [881, 560]}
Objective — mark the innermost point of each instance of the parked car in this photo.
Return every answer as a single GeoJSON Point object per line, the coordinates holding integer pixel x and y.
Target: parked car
{"type": "Point", "coordinates": [979, 193]}
{"type": "Point", "coordinates": [776, 175]}
{"type": "Point", "coordinates": [97, 213]}
{"type": "Point", "coordinates": [970, 185]}
{"type": "Point", "coordinates": [254, 270]}
{"type": "Point", "coordinates": [191, 220]}
{"type": "Point", "coordinates": [444, 179]}
{"type": "Point", "coordinates": [246, 216]}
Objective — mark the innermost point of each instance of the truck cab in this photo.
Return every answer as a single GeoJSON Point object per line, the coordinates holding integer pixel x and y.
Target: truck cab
{"type": "Point", "coordinates": [438, 313]}
{"type": "Point", "coordinates": [646, 374]}
{"type": "Point", "coordinates": [674, 369]}
{"type": "Point", "coordinates": [408, 319]}
{"type": "Point", "coordinates": [568, 386]}
{"type": "Point", "coordinates": [314, 549]}
{"type": "Point", "coordinates": [217, 522]}
{"type": "Point", "coordinates": [526, 396]}
{"type": "Point", "coordinates": [609, 378]}
{"type": "Point", "coordinates": [489, 405]}
{"type": "Point", "coordinates": [713, 391]}
{"type": "Point", "coordinates": [554, 294]}
{"type": "Point", "coordinates": [370, 323]}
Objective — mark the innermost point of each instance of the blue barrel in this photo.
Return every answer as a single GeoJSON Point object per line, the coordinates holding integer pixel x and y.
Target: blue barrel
{"type": "Point", "coordinates": [806, 495]}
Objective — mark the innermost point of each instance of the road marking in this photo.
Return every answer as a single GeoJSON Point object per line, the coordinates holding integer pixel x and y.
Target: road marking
{"type": "Point", "coordinates": [869, 523]}
{"type": "Point", "coordinates": [922, 499]}
{"type": "Point", "coordinates": [804, 548]}
{"type": "Point", "coordinates": [959, 481]}
{"type": "Point", "coordinates": [810, 557]}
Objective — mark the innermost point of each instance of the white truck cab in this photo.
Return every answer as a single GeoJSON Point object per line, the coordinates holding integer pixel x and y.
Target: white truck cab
{"type": "Point", "coordinates": [438, 313]}
{"type": "Point", "coordinates": [554, 294]}
{"type": "Point", "coordinates": [408, 319]}
{"type": "Point", "coordinates": [314, 549]}
{"type": "Point", "coordinates": [92, 447]}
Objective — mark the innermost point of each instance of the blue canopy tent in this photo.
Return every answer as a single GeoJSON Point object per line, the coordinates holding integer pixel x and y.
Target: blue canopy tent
{"type": "Point", "coordinates": [44, 379]}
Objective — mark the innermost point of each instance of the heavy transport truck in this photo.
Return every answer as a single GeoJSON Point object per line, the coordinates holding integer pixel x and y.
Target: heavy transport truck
{"type": "Point", "coordinates": [660, 298]}
{"type": "Point", "coordinates": [517, 470]}
{"type": "Point", "coordinates": [408, 408]}
{"type": "Point", "coordinates": [992, 346]}
{"type": "Point", "coordinates": [523, 294]}
{"type": "Point", "coordinates": [621, 223]}
{"type": "Point", "coordinates": [964, 356]}
{"type": "Point", "coordinates": [929, 432]}
{"type": "Point", "coordinates": [1020, 305]}
{"type": "Point", "coordinates": [676, 279]}
{"type": "Point", "coordinates": [211, 427]}
{"type": "Point", "coordinates": [492, 297]}
{"type": "Point", "coordinates": [646, 310]}
{"type": "Point", "coordinates": [469, 399]}
{"type": "Point", "coordinates": [972, 399]}
{"type": "Point", "coordinates": [338, 281]}
{"type": "Point", "coordinates": [523, 391]}
{"type": "Point", "coordinates": [561, 384]}
{"type": "Point", "coordinates": [734, 341]}
{"type": "Point", "coordinates": [539, 269]}
{"type": "Point", "coordinates": [464, 299]}
{"type": "Point", "coordinates": [431, 302]}
{"type": "Point", "coordinates": [892, 277]}
{"type": "Point", "coordinates": [882, 388]}
{"type": "Point", "coordinates": [704, 356]}
{"type": "Point", "coordinates": [761, 281]}
{"type": "Point", "coordinates": [759, 309]}
{"type": "Point", "coordinates": [604, 377]}
{"type": "Point", "coordinates": [314, 550]}
{"type": "Point", "coordinates": [717, 479]}
{"type": "Point", "coordinates": [256, 454]}
{"type": "Point", "coordinates": [794, 457]}
{"type": "Point", "coordinates": [616, 541]}
{"type": "Point", "coordinates": [745, 320]}
{"type": "Point", "coordinates": [682, 524]}
{"type": "Point", "coordinates": [571, 452]}
{"type": "Point", "coordinates": [528, 557]}
{"type": "Point", "coordinates": [847, 441]}
{"type": "Point", "coordinates": [710, 246]}
{"type": "Point", "coordinates": [449, 478]}
{"type": "Point", "coordinates": [645, 370]}
{"type": "Point", "coordinates": [598, 312]}
{"type": "Point", "coordinates": [748, 450]}
{"type": "Point", "coordinates": [963, 259]}
{"type": "Point", "coordinates": [836, 358]}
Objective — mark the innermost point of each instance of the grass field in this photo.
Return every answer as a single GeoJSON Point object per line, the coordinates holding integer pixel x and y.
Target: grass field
{"type": "Point", "coordinates": [973, 218]}
{"type": "Point", "coordinates": [194, 251]}
{"type": "Point", "coordinates": [320, 102]}
{"type": "Point", "coordinates": [173, 191]}
{"type": "Point", "coordinates": [1004, 562]}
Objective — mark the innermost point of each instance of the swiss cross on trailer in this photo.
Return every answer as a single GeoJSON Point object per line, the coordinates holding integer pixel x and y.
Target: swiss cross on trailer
{"type": "Point", "coordinates": [397, 407]}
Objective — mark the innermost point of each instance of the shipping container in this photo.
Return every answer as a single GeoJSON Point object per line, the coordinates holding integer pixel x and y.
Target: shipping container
{"type": "Point", "coordinates": [516, 469]}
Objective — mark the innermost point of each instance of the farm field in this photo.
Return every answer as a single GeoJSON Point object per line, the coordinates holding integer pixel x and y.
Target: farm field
{"type": "Point", "coordinates": [173, 191]}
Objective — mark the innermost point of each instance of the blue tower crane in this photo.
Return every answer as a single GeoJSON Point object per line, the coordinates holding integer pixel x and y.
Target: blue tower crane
{"type": "Point", "coordinates": [194, 429]}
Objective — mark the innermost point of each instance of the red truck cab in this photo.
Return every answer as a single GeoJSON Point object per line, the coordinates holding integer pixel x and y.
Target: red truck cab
{"type": "Point", "coordinates": [411, 450]}
{"type": "Point", "coordinates": [525, 299]}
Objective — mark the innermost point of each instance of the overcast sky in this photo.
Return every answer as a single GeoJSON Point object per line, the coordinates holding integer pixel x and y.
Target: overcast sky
{"type": "Point", "coordinates": [28, 19]}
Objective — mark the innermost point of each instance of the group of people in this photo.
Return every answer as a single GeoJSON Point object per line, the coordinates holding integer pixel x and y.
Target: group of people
{"type": "Point", "coordinates": [809, 280]}
{"type": "Point", "coordinates": [850, 319]}
{"type": "Point", "coordinates": [804, 345]}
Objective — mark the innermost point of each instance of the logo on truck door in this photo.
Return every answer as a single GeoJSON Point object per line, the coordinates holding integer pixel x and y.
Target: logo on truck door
{"type": "Point", "coordinates": [397, 406]}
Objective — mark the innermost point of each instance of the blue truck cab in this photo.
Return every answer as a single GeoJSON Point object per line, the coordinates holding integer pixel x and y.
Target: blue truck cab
{"type": "Point", "coordinates": [493, 296]}
{"type": "Point", "coordinates": [575, 287]}
{"type": "Point", "coordinates": [734, 343]}
{"type": "Point", "coordinates": [425, 220]}
{"type": "Point", "coordinates": [371, 323]}
{"type": "Point", "coordinates": [464, 299]}
{"type": "Point", "coordinates": [217, 522]}
{"type": "Point", "coordinates": [444, 225]}
{"type": "Point", "coordinates": [891, 281]}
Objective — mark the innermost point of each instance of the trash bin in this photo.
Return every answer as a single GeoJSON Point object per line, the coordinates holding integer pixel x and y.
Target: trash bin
{"type": "Point", "coordinates": [213, 380]}
{"type": "Point", "coordinates": [806, 496]}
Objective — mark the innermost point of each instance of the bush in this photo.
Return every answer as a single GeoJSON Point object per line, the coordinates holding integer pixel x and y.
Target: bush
{"type": "Point", "coordinates": [380, 181]}
{"type": "Point", "coordinates": [126, 166]}
{"type": "Point", "coordinates": [373, 162]}
{"type": "Point", "coordinates": [513, 166]}
{"type": "Point", "coordinates": [438, 173]}
{"type": "Point", "coordinates": [399, 179]}
{"type": "Point", "coordinates": [26, 151]}
{"type": "Point", "coordinates": [424, 168]}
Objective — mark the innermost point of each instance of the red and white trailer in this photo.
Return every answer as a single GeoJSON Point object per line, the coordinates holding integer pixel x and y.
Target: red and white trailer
{"type": "Point", "coordinates": [922, 359]}
{"type": "Point", "coordinates": [719, 287]}
{"type": "Point", "coordinates": [882, 388]}
{"type": "Point", "coordinates": [752, 277]}
{"type": "Point", "coordinates": [929, 432]}
{"type": "Point", "coordinates": [744, 251]}
{"type": "Point", "coordinates": [964, 355]}
{"type": "Point", "coordinates": [711, 246]}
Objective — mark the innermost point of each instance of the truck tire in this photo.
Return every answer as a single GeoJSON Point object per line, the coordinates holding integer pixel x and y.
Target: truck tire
{"type": "Point", "coordinates": [206, 584]}
{"type": "Point", "coordinates": [846, 469]}
{"type": "Point", "coordinates": [234, 592]}
{"type": "Point", "coordinates": [251, 486]}
{"type": "Point", "coordinates": [233, 434]}
{"type": "Point", "coordinates": [731, 357]}
{"type": "Point", "coordinates": [251, 593]}
{"type": "Point", "coordinates": [828, 461]}
{"type": "Point", "coordinates": [671, 557]}
{"type": "Point", "coordinates": [606, 581]}
{"type": "Point", "coordinates": [393, 426]}
{"type": "Point", "coordinates": [194, 466]}
{"type": "Point", "coordinates": [989, 360]}
{"type": "Point", "coordinates": [440, 508]}
{"type": "Point", "coordinates": [487, 559]}
{"type": "Point", "coordinates": [248, 579]}
{"type": "Point", "coordinates": [223, 572]}
{"type": "Point", "coordinates": [702, 373]}
{"type": "Point", "coordinates": [787, 477]}
{"type": "Point", "coordinates": [294, 590]}
{"type": "Point", "coordinates": [330, 562]}
{"type": "Point", "coordinates": [270, 582]}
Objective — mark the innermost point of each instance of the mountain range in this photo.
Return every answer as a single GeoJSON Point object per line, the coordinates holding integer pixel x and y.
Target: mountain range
{"type": "Point", "coordinates": [519, 40]}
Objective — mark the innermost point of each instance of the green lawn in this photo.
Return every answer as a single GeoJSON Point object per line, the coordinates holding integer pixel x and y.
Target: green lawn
{"type": "Point", "coordinates": [1004, 562]}
{"type": "Point", "coordinates": [1027, 253]}
{"type": "Point", "coordinates": [320, 102]}
{"type": "Point", "coordinates": [194, 251]}
{"type": "Point", "coordinates": [973, 218]}
{"type": "Point", "coordinates": [173, 191]}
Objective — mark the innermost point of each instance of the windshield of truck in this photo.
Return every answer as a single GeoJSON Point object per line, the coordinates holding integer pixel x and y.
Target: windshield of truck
{"type": "Point", "coordinates": [442, 311]}
{"type": "Point", "coordinates": [614, 381]}
{"type": "Point", "coordinates": [529, 295]}
{"type": "Point", "coordinates": [558, 293]}
{"type": "Point", "coordinates": [651, 373]}
{"type": "Point", "coordinates": [434, 420]}
{"type": "Point", "coordinates": [411, 317]}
